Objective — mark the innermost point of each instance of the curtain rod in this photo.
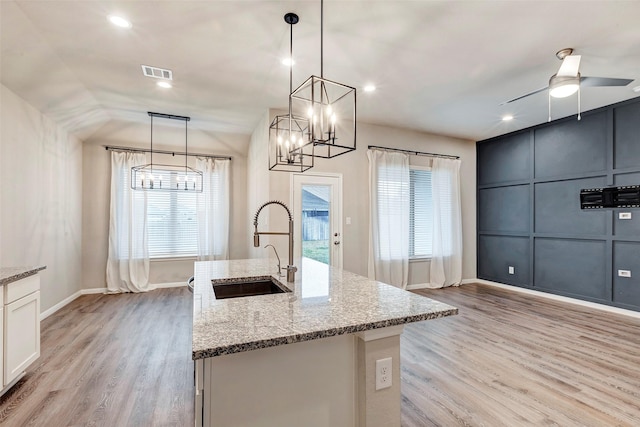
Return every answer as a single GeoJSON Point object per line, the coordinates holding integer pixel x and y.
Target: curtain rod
{"type": "Point", "coordinates": [417, 153]}
{"type": "Point", "coordinates": [173, 153]}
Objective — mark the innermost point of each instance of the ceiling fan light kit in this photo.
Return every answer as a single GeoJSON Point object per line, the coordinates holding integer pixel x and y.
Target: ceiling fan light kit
{"type": "Point", "coordinates": [563, 86]}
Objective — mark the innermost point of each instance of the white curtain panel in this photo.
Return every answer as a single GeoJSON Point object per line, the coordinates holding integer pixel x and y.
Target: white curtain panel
{"type": "Point", "coordinates": [128, 259]}
{"type": "Point", "coordinates": [446, 260]}
{"type": "Point", "coordinates": [213, 209]}
{"type": "Point", "coordinates": [389, 194]}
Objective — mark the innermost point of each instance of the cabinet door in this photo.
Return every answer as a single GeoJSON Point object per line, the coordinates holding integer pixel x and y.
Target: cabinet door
{"type": "Point", "coordinates": [22, 335]}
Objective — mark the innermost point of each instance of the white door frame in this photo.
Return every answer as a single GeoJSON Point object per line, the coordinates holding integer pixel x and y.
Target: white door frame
{"type": "Point", "coordinates": [335, 181]}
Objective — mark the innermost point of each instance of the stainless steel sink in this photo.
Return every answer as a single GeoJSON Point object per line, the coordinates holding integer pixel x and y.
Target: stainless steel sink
{"type": "Point", "coordinates": [248, 288]}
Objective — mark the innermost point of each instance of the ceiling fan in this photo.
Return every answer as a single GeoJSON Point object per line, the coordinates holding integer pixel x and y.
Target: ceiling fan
{"type": "Point", "coordinates": [568, 80]}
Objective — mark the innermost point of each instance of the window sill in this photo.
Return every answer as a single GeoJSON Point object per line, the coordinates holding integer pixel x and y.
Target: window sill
{"type": "Point", "coordinates": [420, 259]}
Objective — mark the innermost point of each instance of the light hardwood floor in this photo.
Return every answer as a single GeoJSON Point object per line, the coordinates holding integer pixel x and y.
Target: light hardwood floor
{"type": "Point", "coordinates": [110, 360]}
{"type": "Point", "coordinates": [511, 359]}
{"type": "Point", "coordinates": [507, 359]}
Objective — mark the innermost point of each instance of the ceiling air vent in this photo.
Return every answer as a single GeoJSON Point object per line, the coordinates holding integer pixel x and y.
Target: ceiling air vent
{"type": "Point", "coordinates": [158, 73]}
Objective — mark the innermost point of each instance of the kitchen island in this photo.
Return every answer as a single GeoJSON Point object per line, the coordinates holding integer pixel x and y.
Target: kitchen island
{"type": "Point", "coordinates": [305, 357]}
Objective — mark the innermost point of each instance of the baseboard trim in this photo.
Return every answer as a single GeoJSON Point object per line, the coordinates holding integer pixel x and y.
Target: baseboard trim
{"type": "Point", "coordinates": [417, 286]}
{"type": "Point", "coordinates": [603, 307]}
{"type": "Point", "coordinates": [93, 291]}
{"type": "Point", "coordinates": [168, 285]}
{"type": "Point", "coordinates": [90, 291]}
{"type": "Point", "coordinates": [59, 305]}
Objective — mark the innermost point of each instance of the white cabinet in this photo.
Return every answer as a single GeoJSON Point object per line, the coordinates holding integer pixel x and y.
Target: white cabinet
{"type": "Point", "coordinates": [21, 315]}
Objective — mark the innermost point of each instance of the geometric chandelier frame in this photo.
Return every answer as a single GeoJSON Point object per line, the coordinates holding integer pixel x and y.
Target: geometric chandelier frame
{"type": "Point", "coordinates": [288, 132]}
{"type": "Point", "coordinates": [159, 177]}
{"type": "Point", "coordinates": [330, 107]}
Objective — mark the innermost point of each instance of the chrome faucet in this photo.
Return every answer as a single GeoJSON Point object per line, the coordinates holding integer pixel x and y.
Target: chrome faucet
{"type": "Point", "coordinates": [277, 256]}
{"type": "Point", "coordinates": [291, 269]}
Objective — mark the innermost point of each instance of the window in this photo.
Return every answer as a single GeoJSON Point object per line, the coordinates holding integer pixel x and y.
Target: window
{"type": "Point", "coordinates": [420, 212]}
{"type": "Point", "coordinates": [172, 224]}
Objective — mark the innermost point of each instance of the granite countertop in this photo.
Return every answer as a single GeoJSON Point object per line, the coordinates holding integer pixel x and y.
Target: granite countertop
{"type": "Point", "coordinates": [11, 274]}
{"type": "Point", "coordinates": [324, 302]}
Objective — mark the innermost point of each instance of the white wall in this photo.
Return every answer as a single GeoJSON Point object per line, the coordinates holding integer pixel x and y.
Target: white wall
{"type": "Point", "coordinates": [40, 197]}
{"type": "Point", "coordinates": [97, 171]}
{"type": "Point", "coordinates": [354, 169]}
{"type": "Point", "coordinates": [258, 183]}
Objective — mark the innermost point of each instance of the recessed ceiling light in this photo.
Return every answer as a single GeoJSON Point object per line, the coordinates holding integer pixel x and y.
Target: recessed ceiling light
{"type": "Point", "coordinates": [507, 118]}
{"type": "Point", "coordinates": [119, 21]}
{"type": "Point", "coordinates": [288, 62]}
{"type": "Point", "coordinates": [369, 88]}
{"type": "Point", "coordinates": [164, 84]}
{"type": "Point", "coordinates": [636, 89]}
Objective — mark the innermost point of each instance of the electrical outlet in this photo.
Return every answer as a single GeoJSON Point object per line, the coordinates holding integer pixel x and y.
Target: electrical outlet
{"type": "Point", "coordinates": [348, 220]}
{"type": "Point", "coordinates": [384, 377]}
{"type": "Point", "coordinates": [624, 273]}
{"type": "Point", "coordinates": [512, 270]}
{"type": "Point", "coordinates": [624, 215]}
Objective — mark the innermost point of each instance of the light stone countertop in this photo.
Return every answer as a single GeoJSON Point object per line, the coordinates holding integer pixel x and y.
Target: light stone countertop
{"type": "Point", "coordinates": [11, 274]}
{"type": "Point", "coordinates": [325, 302]}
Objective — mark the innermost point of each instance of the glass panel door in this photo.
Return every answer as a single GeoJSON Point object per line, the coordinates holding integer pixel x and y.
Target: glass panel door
{"type": "Point", "coordinates": [317, 211]}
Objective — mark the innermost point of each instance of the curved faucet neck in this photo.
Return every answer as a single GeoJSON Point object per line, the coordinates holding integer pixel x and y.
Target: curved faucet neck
{"type": "Point", "coordinates": [291, 269]}
{"type": "Point", "coordinates": [264, 205]}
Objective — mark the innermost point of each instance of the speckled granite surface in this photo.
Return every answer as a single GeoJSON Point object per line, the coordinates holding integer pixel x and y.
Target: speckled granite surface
{"type": "Point", "coordinates": [11, 274]}
{"type": "Point", "coordinates": [324, 302]}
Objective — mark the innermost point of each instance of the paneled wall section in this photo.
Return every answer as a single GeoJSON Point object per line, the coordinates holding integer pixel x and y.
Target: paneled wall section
{"type": "Point", "coordinates": [531, 230]}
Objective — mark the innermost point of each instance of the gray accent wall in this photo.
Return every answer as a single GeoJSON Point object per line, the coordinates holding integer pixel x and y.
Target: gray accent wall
{"type": "Point", "coordinates": [531, 230]}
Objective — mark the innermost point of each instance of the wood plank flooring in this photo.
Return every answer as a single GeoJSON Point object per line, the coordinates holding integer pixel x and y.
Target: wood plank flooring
{"type": "Point", "coordinates": [110, 360]}
{"type": "Point", "coordinates": [510, 359]}
{"type": "Point", "coordinates": [507, 359]}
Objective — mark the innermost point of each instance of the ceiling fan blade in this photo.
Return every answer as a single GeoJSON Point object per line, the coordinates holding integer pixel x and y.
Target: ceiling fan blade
{"type": "Point", "coordinates": [524, 96]}
{"type": "Point", "coordinates": [570, 66]}
{"type": "Point", "coordinates": [603, 81]}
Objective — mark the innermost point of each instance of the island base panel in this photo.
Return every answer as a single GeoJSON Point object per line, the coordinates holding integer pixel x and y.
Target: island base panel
{"type": "Point", "coordinates": [320, 383]}
{"type": "Point", "coordinates": [310, 383]}
{"type": "Point", "coordinates": [378, 408]}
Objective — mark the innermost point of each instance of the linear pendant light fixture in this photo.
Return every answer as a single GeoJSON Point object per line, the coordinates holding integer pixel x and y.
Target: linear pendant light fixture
{"type": "Point", "coordinates": [167, 177]}
{"type": "Point", "coordinates": [288, 132]}
{"type": "Point", "coordinates": [331, 109]}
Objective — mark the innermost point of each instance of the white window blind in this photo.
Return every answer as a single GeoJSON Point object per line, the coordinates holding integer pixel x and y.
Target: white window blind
{"type": "Point", "coordinates": [172, 224]}
{"type": "Point", "coordinates": [392, 187]}
{"type": "Point", "coordinates": [421, 213]}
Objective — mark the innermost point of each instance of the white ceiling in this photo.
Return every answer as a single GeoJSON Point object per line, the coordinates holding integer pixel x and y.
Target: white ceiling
{"type": "Point", "coordinates": [442, 67]}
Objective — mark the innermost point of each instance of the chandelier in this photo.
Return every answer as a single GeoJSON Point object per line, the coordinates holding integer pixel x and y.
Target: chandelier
{"type": "Point", "coordinates": [167, 177]}
{"type": "Point", "coordinates": [330, 108]}
{"type": "Point", "coordinates": [288, 151]}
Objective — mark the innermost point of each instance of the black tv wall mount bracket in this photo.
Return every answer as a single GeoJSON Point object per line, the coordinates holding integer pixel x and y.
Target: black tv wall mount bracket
{"type": "Point", "coordinates": [627, 196]}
